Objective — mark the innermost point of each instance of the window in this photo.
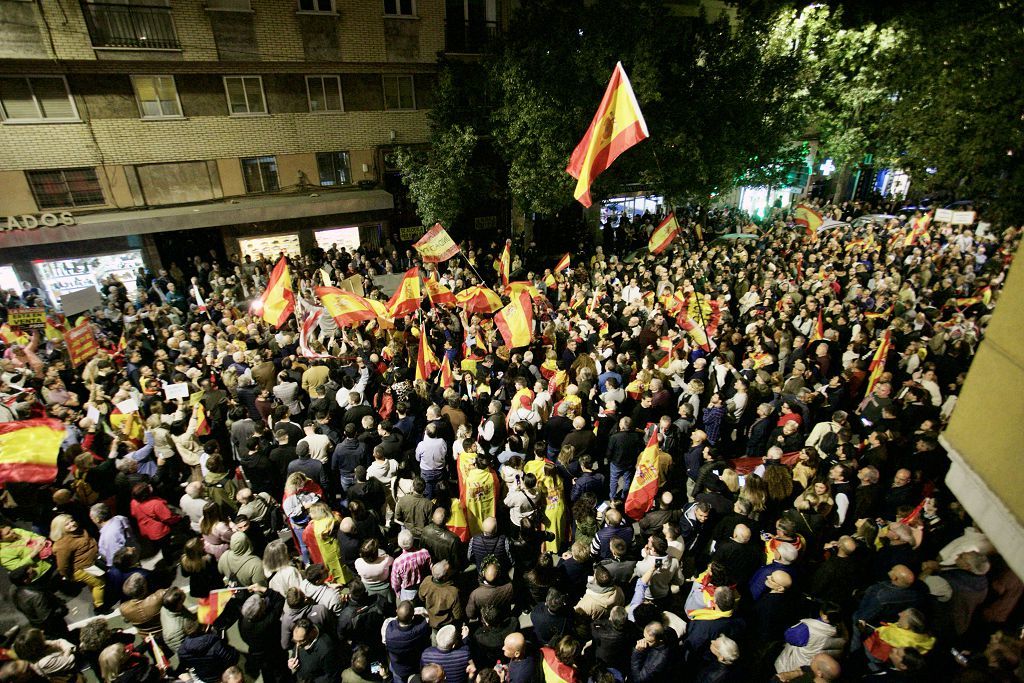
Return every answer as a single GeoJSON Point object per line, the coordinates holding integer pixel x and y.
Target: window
{"type": "Point", "coordinates": [138, 25]}
{"type": "Point", "coordinates": [229, 5]}
{"type": "Point", "coordinates": [324, 93]}
{"type": "Point", "coordinates": [398, 92]}
{"type": "Point", "coordinates": [157, 96]}
{"type": "Point", "coordinates": [399, 8]}
{"type": "Point", "coordinates": [245, 95]}
{"type": "Point", "coordinates": [318, 6]}
{"type": "Point", "coordinates": [260, 174]}
{"type": "Point", "coordinates": [36, 98]}
{"type": "Point", "coordinates": [334, 169]}
{"type": "Point", "coordinates": [65, 187]}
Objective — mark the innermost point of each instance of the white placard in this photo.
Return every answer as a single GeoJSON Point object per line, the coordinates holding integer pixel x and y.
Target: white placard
{"type": "Point", "coordinates": [93, 413]}
{"type": "Point", "coordinates": [963, 217]}
{"type": "Point", "coordinates": [127, 406]}
{"type": "Point", "coordinates": [173, 391]}
{"type": "Point", "coordinates": [80, 300]}
{"type": "Point", "coordinates": [943, 215]}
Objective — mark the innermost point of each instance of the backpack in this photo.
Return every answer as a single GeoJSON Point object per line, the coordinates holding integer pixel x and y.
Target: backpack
{"type": "Point", "coordinates": [829, 443]}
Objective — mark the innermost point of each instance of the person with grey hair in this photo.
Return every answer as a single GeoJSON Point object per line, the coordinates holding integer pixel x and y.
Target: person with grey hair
{"type": "Point", "coordinates": [898, 548]}
{"type": "Point", "coordinates": [493, 432]}
{"type": "Point", "coordinates": [451, 653]}
{"type": "Point", "coordinates": [432, 456]}
{"type": "Point", "coordinates": [192, 503]}
{"type": "Point", "coordinates": [115, 532]}
{"type": "Point", "coordinates": [409, 568]}
{"type": "Point", "coordinates": [440, 596]}
{"type": "Point", "coordinates": [783, 557]}
{"type": "Point", "coordinates": [259, 625]}
{"type": "Point", "coordinates": [958, 592]}
{"type": "Point", "coordinates": [726, 653]}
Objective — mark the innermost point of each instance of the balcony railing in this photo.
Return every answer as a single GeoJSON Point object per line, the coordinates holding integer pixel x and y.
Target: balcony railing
{"type": "Point", "coordinates": [470, 36]}
{"type": "Point", "coordinates": [130, 26]}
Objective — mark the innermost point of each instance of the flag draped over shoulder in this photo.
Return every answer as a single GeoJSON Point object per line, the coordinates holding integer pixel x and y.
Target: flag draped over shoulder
{"type": "Point", "coordinates": [617, 126]}
{"type": "Point", "coordinates": [503, 263]}
{"type": "Point", "coordinates": [663, 235]}
{"type": "Point", "coordinates": [644, 487]}
{"type": "Point", "coordinates": [515, 321]}
{"type": "Point", "coordinates": [202, 421]}
{"type": "Point", "coordinates": [819, 328]}
{"type": "Point", "coordinates": [29, 449]}
{"type": "Point", "coordinates": [436, 245]}
{"type": "Point", "coordinates": [406, 298]}
{"type": "Point", "coordinates": [554, 670]}
{"type": "Point", "coordinates": [807, 216]}
{"type": "Point", "coordinates": [346, 308]}
{"type": "Point", "coordinates": [278, 299]}
{"type": "Point", "coordinates": [877, 366]}
{"type": "Point", "coordinates": [445, 378]}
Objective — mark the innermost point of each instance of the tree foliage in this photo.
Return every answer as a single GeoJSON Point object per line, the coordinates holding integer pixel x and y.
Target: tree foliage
{"type": "Point", "coordinates": [437, 176]}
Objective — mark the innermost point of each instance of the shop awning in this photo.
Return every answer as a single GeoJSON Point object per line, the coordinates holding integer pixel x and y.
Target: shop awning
{"type": "Point", "coordinates": [208, 215]}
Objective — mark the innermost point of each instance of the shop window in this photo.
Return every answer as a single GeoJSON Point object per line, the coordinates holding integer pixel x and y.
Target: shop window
{"type": "Point", "coordinates": [36, 98]}
{"type": "Point", "coordinates": [260, 174]}
{"type": "Point", "coordinates": [324, 93]}
{"type": "Point", "coordinates": [65, 187]}
{"type": "Point", "coordinates": [245, 95]}
{"type": "Point", "coordinates": [398, 92]}
{"type": "Point", "coordinates": [157, 97]}
{"type": "Point", "coordinates": [334, 168]}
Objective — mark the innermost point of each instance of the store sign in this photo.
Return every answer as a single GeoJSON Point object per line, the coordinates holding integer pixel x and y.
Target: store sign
{"type": "Point", "coordinates": [27, 318]}
{"type": "Point", "coordinates": [44, 220]}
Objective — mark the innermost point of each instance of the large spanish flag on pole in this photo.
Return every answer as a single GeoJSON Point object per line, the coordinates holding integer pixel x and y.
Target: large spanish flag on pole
{"type": "Point", "coordinates": [644, 487]}
{"type": "Point", "coordinates": [805, 215]}
{"type": "Point", "coordinates": [503, 264]}
{"type": "Point", "coordinates": [278, 299]}
{"type": "Point", "coordinates": [436, 245]}
{"type": "Point", "coordinates": [406, 298]}
{"type": "Point", "coordinates": [28, 450]}
{"type": "Point", "coordinates": [426, 361]}
{"type": "Point", "coordinates": [515, 321]}
{"type": "Point", "coordinates": [347, 308]}
{"type": "Point", "coordinates": [877, 366]}
{"type": "Point", "coordinates": [663, 234]}
{"type": "Point", "coordinates": [617, 126]}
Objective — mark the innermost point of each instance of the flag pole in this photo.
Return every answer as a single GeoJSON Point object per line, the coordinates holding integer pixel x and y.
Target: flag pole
{"type": "Point", "coordinates": [472, 267]}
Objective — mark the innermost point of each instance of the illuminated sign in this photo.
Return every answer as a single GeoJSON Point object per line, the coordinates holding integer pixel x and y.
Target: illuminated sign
{"type": "Point", "coordinates": [44, 220]}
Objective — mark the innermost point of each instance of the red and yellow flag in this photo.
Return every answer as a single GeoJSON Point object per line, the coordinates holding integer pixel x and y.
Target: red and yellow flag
{"type": "Point", "coordinates": [514, 288]}
{"type": "Point", "coordinates": [426, 361]}
{"type": "Point", "coordinates": [503, 263]}
{"type": "Point", "coordinates": [663, 234]}
{"type": "Point", "coordinates": [406, 298]}
{"type": "Point", "coordinates": [278, 299]}
{"type": "Point", "coordinates": [458, 524]}
{"type": "Point", "coordinates": [436, 245]}
{"type": "Point", "coordinates": [29, 449]}
{"type": "Point", "coordinates": [346, 308]}
{"type": "Point", "coordinates": [874, 315]}
{"type": "Point", "coordinates": [202, 421]}
{"type": "Point", "coordinates": [644, 487]}
{"type": "Point", "coordinates": [670, 354]}
{"type": "Point", "coordinates": [562, 264]}
{"type": "Point", "coordinates": [617, 126]}
{"type": "Point", "coordinates": [439, 294]}
{"type": "Point", "coordinates": [700, 319]}
{"type": "Point", "coordinates": [554, 670]}
{"type": "Point", "coordinates": [819, 328]}
{"type": "Point", "coordinates": [211, 607]}
{"type": "Point", "coordinates": [877, 366]}
{"type": "Point", "coordinates": [478, 299]}
{"type": "Point", "coordinates": [807, 216]}
{"type": "Point", "coordinates": [515, 321]}
{"type": "Point", "coordinates": [445, 378]}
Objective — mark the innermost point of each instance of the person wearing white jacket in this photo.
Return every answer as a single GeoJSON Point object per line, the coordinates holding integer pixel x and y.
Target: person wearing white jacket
{"type": "Point", "coordinates": [810, 637]}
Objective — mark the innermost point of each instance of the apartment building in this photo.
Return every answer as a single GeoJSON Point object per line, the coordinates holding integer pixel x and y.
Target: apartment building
{"type": "Point", "coordinates": [137, 131]}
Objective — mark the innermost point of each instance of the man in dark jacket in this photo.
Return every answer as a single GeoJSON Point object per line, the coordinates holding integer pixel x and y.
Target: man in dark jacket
{"type": "Point", "coordinates": [205, 652]}
{"type": "Point", "coordinates": [347, 456]}
{"type": "Point", "coordinates": [406, 636]}
{"type": "Point", "coordinates": [260, 628]}
{"type": "Point", "coordinates": [614, 639]}
{"type": "Point", "coordinates": [624, 447]}
{"type": "Point", "coordinates": [317, 659]}
{"type": "Point", "coordinates": [43, 609]}
{"type": "Point", "coordinates": [650, 661]}
{"type": "Point", "coordinates": [740, 555]}
{"type": "Point", "coordinates": [441, 543]}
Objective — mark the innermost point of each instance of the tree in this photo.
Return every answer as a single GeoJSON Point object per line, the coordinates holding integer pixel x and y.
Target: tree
{"type": "Point", "coordinates": [436, 177]}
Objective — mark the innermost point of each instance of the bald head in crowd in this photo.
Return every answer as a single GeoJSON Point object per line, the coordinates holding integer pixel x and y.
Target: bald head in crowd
{"type": "Point", "coordinates": [825, 668]}
{"type": "Point", "coordinates": [741, 533]}
{"type": "Point", "coordinates": [901, 576]}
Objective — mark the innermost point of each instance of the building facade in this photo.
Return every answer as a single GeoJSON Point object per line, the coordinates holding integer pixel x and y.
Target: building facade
{"type": "Point", "coordinates": [139, 131]}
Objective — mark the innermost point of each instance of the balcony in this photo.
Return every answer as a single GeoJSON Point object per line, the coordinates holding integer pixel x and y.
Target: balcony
{"type": "Point", "coordinates": [135, 27]}
{"type": "Point", "coordinates": [469, 37]}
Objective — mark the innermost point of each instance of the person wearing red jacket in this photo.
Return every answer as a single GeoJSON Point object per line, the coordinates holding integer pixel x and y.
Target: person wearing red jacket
{"type": "Point", "coordinates": [157, 524]}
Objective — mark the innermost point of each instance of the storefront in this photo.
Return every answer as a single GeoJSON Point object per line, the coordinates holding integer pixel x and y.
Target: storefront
{"type": "Point", "coordinates": [68, 275]}
{"type": "Point", "coordinates": [9, 279]}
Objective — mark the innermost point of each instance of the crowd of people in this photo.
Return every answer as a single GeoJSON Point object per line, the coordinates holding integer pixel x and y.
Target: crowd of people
{"type": "Point", "coordinates": [314, 511]}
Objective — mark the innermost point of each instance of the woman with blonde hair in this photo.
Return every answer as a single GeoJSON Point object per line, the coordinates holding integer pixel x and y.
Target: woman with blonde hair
{"type": "Point", "coordinates": [75, 551]}
{"type": "Point", "coordinates": [215, 530]}
{"type": "Point", "coordinates": [322, 540]}
{"type": "Point", "coordinates": [755, 492]}
{"type": "Point", "coordinates": [278, 567]}
{"type": "Point", "coordinates": [300, 493]}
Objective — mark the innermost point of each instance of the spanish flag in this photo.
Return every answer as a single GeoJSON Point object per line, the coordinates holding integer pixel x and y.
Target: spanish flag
{"type": "Point", "coordinates": [445, 378]}
{"type": "Point", "coordinates": [458, 523]}
{"type": "Point", "coordinates": [515, 321]}
{"type": "Point", "coordinates": [436, 245]}
{"type": "Point", "coordinates": [554, 670]}
{"type": "Point", "coordinates": [819, 328]}
{"type": "Point", "coordinates": [514, 288]}
{"type": "Point", "coordinates": [211, 607]}
{"type": "Point", "coordinates": [202, 421]}
{"type": "Point", "coordinates": [877, 366]}
{"type": "Point", "coordinates": [617, 126]}
{"type": "Point", "coordinates": [663, 234]}
{"type": "Point", "coordinates": [438, 293]}
{"type": "Point", "coordinates": [550, 281]}
{"type": "Point", "coordinates": [671, 354]}
{"type": "Point", "coordinates": [346, 308]}
{"type": "Point", "coordinates": [29, 449]}
{"type": "Point", "coordinates": [426, 361]}
{"type": "Point", "coordinates": [278, 299]}
{"type": "Point", "coordinates": [384, 318]}
{"type": "Point", "coordinates": [503, 263]}
{"type": "Point", "coordinates": [805, 215]}
{"type": "Point", "coordinates": [874, 315]}
{"type": "Point", "coordinates": [644, 488]}
{"type": "Point", "coordinates": [562, 264]}
{"type": "Point", "coordinates": [406, 298]}
{"type": "Point", "coordinates": [12, 336]}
